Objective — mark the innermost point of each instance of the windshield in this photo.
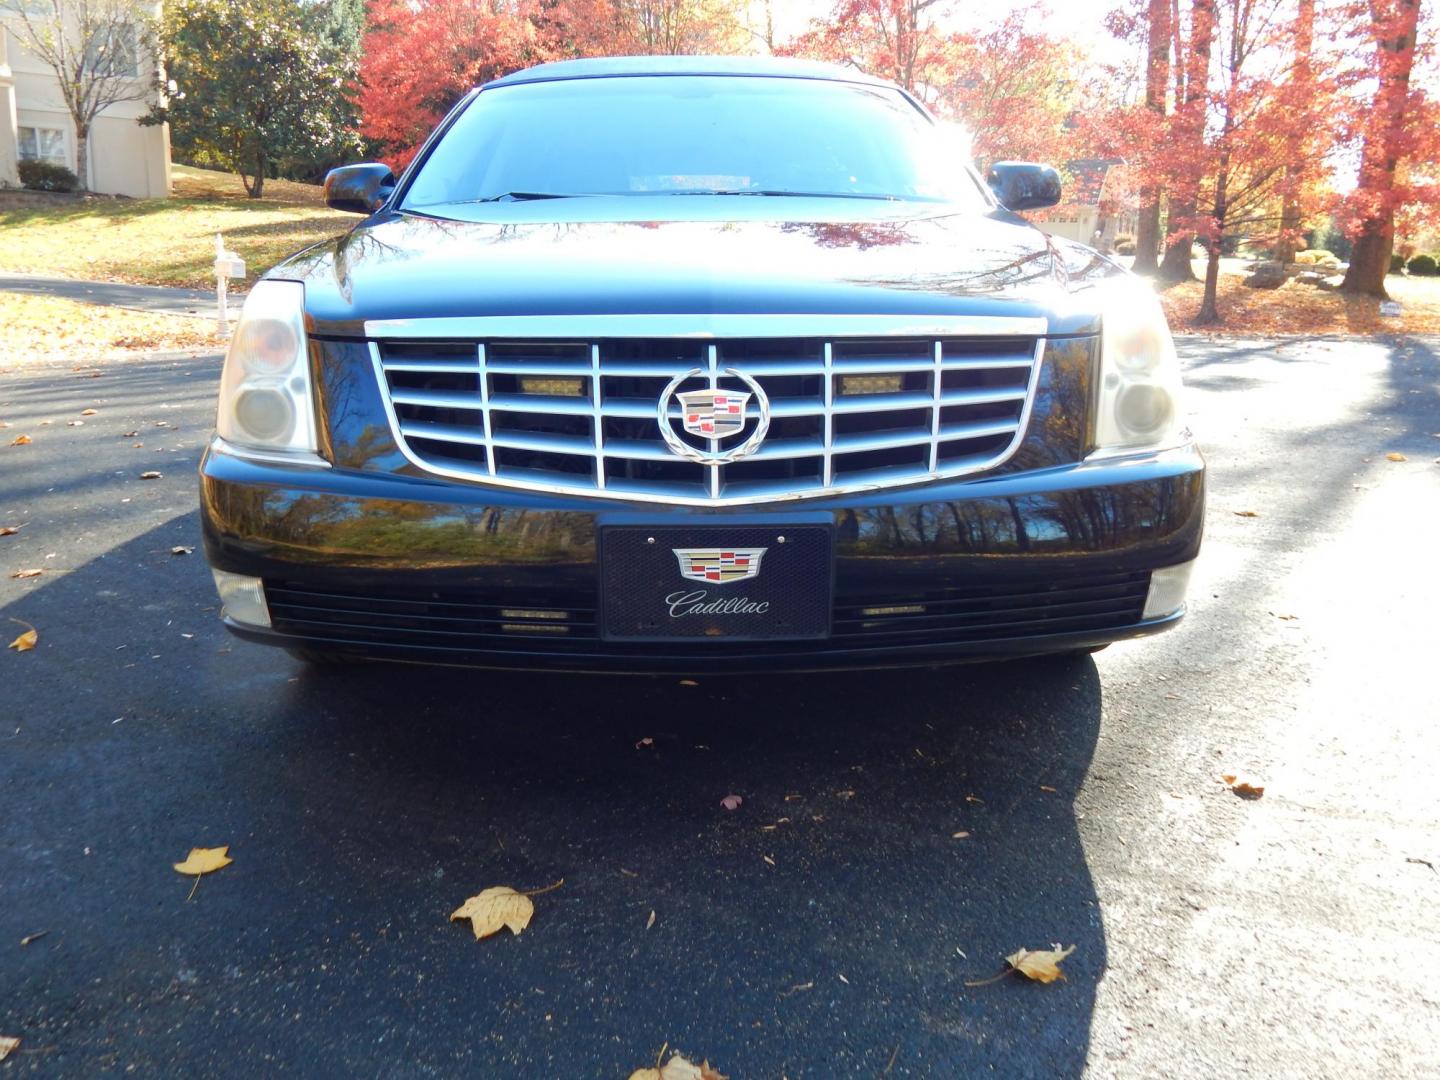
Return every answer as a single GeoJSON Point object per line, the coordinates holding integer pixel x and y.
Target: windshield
{"type": "Point", "coordinates": [690, 135]}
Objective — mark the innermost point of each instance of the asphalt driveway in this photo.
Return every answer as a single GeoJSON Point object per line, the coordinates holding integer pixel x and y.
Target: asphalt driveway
{"type": "Point", "coordinates": [828, 926]}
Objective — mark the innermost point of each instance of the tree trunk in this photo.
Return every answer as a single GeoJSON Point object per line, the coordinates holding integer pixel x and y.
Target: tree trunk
{"type": "Point", "coordinates": [1157, 84]}
{"type": "Point", "coordinates": [1393, 24]}
{"type": "Point", "coordinates": [1190, 130]}
{"type": "Point", "coordinates": [255, 184]}
{"type": "Point", "coordinates": [1210, 305]}
{"type": "Point", "coordinates": [1290, 220]}
{"type": "Point", "coordinates": [82, 154]}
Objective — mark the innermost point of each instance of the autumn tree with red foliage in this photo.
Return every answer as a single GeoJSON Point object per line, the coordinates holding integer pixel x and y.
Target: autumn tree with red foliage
{"type": "Point", "coordinates": [1399, 139]}
{"type": "Point", "coordinates": [421, 58]}
{"type": "Point", "coordinates": [1014, 89]}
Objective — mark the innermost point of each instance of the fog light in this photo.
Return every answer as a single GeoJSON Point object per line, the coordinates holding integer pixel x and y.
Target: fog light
{"type": "Point", "coordinates": [1167, 591]}
{"type": "Point", "coordinates": [265, 413]}
{"type": "Point", "coordinates": [243, 597]}
{"type": "Point", "coordinates": [1145, 409]}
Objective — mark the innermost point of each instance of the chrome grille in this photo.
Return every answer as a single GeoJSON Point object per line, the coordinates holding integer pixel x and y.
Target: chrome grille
{"type": "Point", "coordinates": [580, 415]}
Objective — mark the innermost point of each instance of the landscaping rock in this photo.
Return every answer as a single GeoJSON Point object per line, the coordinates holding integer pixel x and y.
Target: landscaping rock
{"type": "Point", "coordinates": [1266, 275]}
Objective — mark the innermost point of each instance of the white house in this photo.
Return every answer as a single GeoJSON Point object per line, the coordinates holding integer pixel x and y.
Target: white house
{"type": "Point", "coordinates": [125, 158]}
{"type": "Point", "coordinates": [1099, 204]}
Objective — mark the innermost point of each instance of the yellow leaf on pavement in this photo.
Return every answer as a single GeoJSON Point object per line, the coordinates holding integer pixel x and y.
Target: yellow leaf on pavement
{"type": "Point", "coordinates": [25, 642]}
{"type": "Point", "coordinates": [203, 860]}
{"type": "Point", "coordinates": [88, 412]}
{"type": "Point", "coordinates": [1396, 457]}
{"type": "Point", "coordinates": [499, 906]}
{"type": "Point", "coordinates": [677, 1068]}
{"type": "Point", "coordinates": [21, 440]}
{"type": "Point", "coordinates": [7, 1044]}
{"type": "Point", "coordinates": [1243, 786]}
{"type": "Point", "coordinates": [1042, 965]}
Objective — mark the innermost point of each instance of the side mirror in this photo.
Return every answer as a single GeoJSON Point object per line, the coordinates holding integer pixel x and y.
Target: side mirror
{"type": "Point", "coordinates": [359, 189]}
{"type": "Point", "coordinates": [1024, 185]}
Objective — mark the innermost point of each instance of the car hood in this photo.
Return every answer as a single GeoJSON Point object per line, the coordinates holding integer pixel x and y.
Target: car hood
{"type": "Point", "coordinates": [726, 255]}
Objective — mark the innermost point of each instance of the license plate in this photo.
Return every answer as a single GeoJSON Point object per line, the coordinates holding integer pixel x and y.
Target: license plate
{"type": "Point", "coordinates": [743, 583]}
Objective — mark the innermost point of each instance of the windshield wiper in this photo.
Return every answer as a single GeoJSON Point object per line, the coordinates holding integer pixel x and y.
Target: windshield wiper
{"type": "Point", "coordinates": [525, 196]}
{"type": "Point", "coordinates": [781, 193]}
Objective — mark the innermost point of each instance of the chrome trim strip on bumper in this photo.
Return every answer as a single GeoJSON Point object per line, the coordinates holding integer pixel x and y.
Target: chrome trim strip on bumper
{"type": "Point", "coordinates": [303, 458]}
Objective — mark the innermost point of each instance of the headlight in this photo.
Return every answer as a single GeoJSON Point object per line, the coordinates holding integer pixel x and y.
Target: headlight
{"type": "Point", "coordinates": [265, 399]}
{"type": "Point", "coordinates": [1138, 404]}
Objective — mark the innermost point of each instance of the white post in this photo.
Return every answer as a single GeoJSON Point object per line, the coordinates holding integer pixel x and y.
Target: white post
{"type": "Point", "coordinates": [222, 286]}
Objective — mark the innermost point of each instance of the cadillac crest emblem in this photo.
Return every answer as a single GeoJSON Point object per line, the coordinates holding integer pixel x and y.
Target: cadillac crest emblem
{"type": "Point", "coordinates": [714, 414]}
{"type": "Point", "coordinates": [719, 566]}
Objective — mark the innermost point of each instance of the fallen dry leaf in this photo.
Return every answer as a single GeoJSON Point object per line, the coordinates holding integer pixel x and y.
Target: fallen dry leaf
{"type": "Point", "coordinates": [21, 440]}
{"type": "Point", "coordinates": [1246, 513]}
{"type": "Point", "coordinates": [959, 835]}
{"type": "Point", "coordinates": [1396, 457]}
{"type": "Point", "coordinates": [204, 860]}
{"type": "Point", "coordinates": [1047, 787]}
{"type": "Point", "coordinates": [8, 1043]}
{"type": "Point", "coordinates": [180, 549]}
{"type": "Point", "coordinates": [1042, 965]}
{"type": "Point", "coordinates": [499, 906]}
{"type": "Point", "coordinates": [768, 859]}
{"type": "Point", "coordinates": [33, 572]}
{"type": "Point", "coordinates": [650, 921]}
{"type": "Point", "coordinates": [494, 908]}
{"type": "Point", "coordinates": [1242, 786]}
{"type": "Point", "coordinates": [731, 802]}
{"type": "Point", "coordinates": [88, 412]}
{"type": "Point", "coordinates": [688, 682]}
{"type": "Point", "coordinates": [10, 530]}
{"type": "Point", "coordinates": [647, 741]}
{"type": "Point", "coordinates": [26, 641]}
{"type": "Point", "coordinates": [150, 475]}
{"type": "Point", "coordinates": [678, 1068]}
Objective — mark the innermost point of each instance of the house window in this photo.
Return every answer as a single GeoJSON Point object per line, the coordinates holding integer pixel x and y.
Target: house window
{"type": "Point", "coordinates": [42, 144]}
{"type": "Point", "coordinates": [113, 52]}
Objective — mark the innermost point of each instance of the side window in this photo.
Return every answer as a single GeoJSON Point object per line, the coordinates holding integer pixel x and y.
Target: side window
{"type": "Point", "coordinates": [42, 144]}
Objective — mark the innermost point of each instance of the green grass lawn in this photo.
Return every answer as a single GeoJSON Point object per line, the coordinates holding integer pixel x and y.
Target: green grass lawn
{"type": "Point", "coordinates": [168, 241]}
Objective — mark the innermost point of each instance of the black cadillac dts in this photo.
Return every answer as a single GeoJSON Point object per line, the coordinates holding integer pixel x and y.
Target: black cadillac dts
{"type": "Point", "coordinates": [687, 364]}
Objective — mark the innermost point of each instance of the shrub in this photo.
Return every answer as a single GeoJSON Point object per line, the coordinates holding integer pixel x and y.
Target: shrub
{"type": "Point", "coordinates": [47, 176]}
{"type": "Point", "coordinates": [1423, 266]}
{"type": "Point", "coordinates": [1397, 263]}
{"type": "Point", "coordinates": [1305, 258]}
{"type": "Point", "coordinates": [1124, 244]}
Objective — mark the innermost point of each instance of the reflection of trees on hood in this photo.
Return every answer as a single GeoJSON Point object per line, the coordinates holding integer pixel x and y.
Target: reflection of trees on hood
{"type": "Point", "coordinates": [857, 234]}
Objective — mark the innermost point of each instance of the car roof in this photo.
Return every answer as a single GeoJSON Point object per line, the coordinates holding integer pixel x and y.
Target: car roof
{"type": "Point", "coordinates": [622, 66]}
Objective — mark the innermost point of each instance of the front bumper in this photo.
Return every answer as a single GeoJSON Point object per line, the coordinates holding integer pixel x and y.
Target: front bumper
{"type": "Point", "coordinates": [401, 568]}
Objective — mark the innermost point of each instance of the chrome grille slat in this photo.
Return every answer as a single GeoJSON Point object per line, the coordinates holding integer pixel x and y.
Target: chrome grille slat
{"type": "Point", "coordinates": [924, 407]}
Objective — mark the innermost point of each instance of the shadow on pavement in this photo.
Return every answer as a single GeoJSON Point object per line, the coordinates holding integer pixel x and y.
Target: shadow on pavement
{"type": "Point", "coordinates": [826, 928]}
